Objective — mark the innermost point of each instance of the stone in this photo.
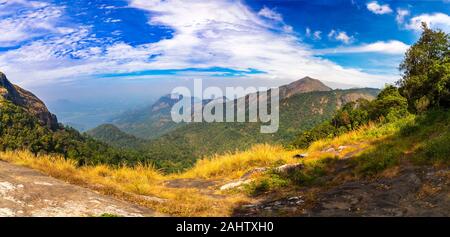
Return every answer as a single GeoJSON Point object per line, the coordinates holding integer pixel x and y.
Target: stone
{"type": "Point", "coordinates": [289, 168]}
{"type": "Point", "coordinates": [235, 184]}
{"type": "Point", "coordinates": [294, 198]}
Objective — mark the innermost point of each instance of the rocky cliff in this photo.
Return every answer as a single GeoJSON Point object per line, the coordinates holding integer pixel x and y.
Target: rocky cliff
{"type": "Point", "coordinates": [28, 101]}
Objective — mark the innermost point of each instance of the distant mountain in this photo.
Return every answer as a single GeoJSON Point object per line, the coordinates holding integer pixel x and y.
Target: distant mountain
{"type": "Point", "coordinates": [151, 121]}
{"type": "Point", "coordinates": [83, 114]}
{"type": "Point", "coordinates": [304, 104]}
{"type": "Point", "coordinates": [114, 136]}
{"type": "Point", "coordinates": [306, 84]}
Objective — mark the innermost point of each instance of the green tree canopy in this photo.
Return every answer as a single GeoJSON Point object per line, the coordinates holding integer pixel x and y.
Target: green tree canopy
{"type": "Point", "coordinates": [426, 71]}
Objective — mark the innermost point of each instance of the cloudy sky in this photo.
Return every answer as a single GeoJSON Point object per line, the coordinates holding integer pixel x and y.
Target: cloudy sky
{"type": "Point", "coordinates": [62, 47]}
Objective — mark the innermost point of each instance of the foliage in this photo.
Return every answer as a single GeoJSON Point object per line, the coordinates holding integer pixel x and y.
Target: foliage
{"type": "Point", "coordinates": [426, 71]}
{"type": "Point", "coordinates": [267, 183]}
{"type": "Point", "coordinates": [20, 130]}
{"type": "Point", "coordinates": [389, 106]}
{"type": "Point", "coordinates": [383, 146]}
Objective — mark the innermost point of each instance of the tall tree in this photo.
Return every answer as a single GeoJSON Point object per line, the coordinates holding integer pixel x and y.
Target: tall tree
{"type": "Point", "coordinates": [426, 71]}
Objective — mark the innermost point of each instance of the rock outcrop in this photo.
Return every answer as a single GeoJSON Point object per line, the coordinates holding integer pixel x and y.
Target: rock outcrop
{"type": "Point", "coordinates": [28, 101]}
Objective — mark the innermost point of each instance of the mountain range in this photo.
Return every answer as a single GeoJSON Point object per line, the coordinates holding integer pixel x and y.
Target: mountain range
{"type": "Point", "coordinates": [303, 104]}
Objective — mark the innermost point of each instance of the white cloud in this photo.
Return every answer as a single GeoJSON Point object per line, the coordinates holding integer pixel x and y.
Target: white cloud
{"type": "Point", "coordinates": [317, 35]}
{"type": "Point", "coordinates": [393, 47]}
{"type": "Point", "coordinates": [308, 32]}
{"type": "Point", "coordinates": [378, 9]}
{"type": "Point", "coordinates": [270, 14]}
{"type": "Point", "coordinates": [331, 34]}
{"type": "Point", "coordinates": [33, 19]}
{"type": "Point", "coordinates": [340, 36]}
{"type": "Point", "coordinates": [434, 20]}
{"type": "Point", "coordinates": [401, 14]}
{"type": "Point", "coordinates": [221, 33]}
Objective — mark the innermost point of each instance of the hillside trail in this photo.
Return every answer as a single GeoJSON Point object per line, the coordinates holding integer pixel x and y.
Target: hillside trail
{"type": "Point", "coordinates": [26, 192]}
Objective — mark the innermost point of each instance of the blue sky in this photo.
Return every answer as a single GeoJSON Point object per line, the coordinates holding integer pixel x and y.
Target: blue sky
{"type": "Point", "coordinates": [74, 45]}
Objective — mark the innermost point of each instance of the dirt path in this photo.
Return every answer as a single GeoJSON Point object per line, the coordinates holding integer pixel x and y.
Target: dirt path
{"type": "Point", "coordinates": [25, 192]}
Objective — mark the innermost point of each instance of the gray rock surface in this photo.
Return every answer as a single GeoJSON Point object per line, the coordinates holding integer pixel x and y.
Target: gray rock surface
{"type": "Point", "coordinates": [25, 192]}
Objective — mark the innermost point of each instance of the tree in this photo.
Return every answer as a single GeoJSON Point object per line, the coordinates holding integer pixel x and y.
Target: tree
{"type": "Point", "coordinates": [426, 71]}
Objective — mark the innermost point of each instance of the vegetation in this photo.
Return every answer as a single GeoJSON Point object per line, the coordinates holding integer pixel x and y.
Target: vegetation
{"type": "Point", "coordinates": [115, 137]}
{"type": "Point", "coordinates": [20, 130]}
{"type": "Point", "coordinates": [422, 139]}
{"type": "Point", "coordinates": [129, 183]}
{"type": "Point", "coordinates": [426, 71]}
{"type": "Point", "coordinates": [375, 148]}
{"type": "Point", "coordinates": [388, 106]}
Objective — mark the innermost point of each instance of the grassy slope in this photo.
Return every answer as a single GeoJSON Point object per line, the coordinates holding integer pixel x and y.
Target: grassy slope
{"type": "Point", "coordinates": [375, 149]}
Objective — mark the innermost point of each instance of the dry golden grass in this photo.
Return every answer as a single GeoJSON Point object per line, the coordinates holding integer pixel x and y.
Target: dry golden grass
{"type": "Point", "coordinates": [234, 165]}
{"type": "Point", "coordinates": [131, 184]}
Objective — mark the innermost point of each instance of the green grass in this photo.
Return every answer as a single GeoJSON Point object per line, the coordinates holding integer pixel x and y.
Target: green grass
{"type": "Point", "coordinates": [413, 140]}
{"type": "Point", "coordinates": [423, 140]}
{"type": "Point", "coordinates": [267, 183]}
